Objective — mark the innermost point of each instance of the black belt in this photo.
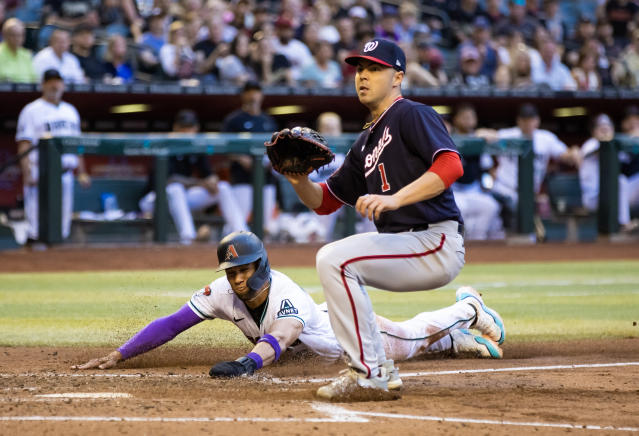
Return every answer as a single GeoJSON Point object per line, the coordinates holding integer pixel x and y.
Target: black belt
{"type": "Point", "coordinates": [422, 227]}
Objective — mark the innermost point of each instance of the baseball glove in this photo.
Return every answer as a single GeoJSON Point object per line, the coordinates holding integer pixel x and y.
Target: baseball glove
{"type": "Point", "coordinates": [299, 150]}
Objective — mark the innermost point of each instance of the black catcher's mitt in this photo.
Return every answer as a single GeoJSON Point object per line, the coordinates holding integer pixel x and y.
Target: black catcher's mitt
{"type": "Point", "coordinates": [299, 150]}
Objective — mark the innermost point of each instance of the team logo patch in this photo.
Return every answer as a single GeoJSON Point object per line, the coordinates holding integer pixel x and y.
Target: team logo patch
{"type": "Point", "coordinates": [231, 253]}
{"type": "Point", "coordinates": [207, 291]}
{"type": "Point", "coordinates": [370, 46]}
{"type": "Point", "coordinates": [287, 308]}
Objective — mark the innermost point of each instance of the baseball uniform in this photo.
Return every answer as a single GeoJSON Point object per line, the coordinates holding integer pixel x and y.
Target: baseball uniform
{"type": "Point", "coordinates": [37, 120]}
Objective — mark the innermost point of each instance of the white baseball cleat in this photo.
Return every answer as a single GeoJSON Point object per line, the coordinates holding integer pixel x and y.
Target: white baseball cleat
{"type": "Point", "coordinates": [488, 321]}
{"type": "Point", "coordinates": [394, 381]}
{"type": "Point", "coordinates": [352, 385]}
{"type": "Point", "coordinates": [466, 343]}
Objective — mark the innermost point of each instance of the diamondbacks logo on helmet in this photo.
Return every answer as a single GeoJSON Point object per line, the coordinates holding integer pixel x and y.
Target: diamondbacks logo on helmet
{"type": "Point", "coordinates": [231, 253]}
{"type": "Point", "coordinates": [370, 46]}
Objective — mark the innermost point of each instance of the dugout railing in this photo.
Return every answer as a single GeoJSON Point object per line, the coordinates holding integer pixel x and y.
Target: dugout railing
{"type": "Point", "coordinates": [161, 146]}
{"type": "Point", "coordinates": [609, 169]}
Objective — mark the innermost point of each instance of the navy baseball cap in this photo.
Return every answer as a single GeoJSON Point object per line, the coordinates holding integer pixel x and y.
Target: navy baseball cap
{"type": "Point", "coordinates": [383, 52]}
{"type": "Point", "coordinates": [51, 74]}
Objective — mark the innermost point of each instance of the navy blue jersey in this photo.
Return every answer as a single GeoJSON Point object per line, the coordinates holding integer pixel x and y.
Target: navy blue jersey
{"type": "Point", "coordinates": [398, 149]}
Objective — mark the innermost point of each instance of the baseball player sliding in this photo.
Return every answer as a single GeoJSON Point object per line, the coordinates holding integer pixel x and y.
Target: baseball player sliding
{"type": "Point", "coordinates": [276, 314]}
{"type": "Point", "coordinates": [397, 173]}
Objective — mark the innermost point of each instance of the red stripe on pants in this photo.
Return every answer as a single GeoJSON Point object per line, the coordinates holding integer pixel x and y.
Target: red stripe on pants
{"type": "Point", "coordinates": [350, 296]}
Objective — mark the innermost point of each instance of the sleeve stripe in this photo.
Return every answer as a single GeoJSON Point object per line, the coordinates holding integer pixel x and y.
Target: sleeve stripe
{"type": "Point", "coordinates": [441, 150]}
{"type": "Point", "coordinates": [197, 311]}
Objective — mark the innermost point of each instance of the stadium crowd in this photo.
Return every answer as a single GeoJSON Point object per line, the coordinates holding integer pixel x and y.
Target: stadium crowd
{"type": "Point", "coordinates": [506, 44]}
{"type": "Point", "coordinates": [582, 45]}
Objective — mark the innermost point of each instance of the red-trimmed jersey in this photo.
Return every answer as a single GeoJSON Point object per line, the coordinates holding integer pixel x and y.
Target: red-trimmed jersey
{"type": "Point", "coordinates": [395, 151]}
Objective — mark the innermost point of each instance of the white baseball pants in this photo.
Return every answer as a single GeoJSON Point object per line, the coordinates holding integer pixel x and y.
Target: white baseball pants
{"type": "Point", "coordinates": [398, 262]}
{"type": "Point", "coordinates": [31, 206]}
{"type": "Point", "coordinates": [182, 201]}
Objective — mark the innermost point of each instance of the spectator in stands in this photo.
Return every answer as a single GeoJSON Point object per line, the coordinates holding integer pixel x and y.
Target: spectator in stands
{"type": "Point", "coordinates": [416, 73]}
{"type": "Point", "coordinates": [388, 27]}
{"type": "Point", "coordinates": [233, 68]}
{"type": "Point", "coordinates": [15, 61]}
{"type": "Point", "coordinates": [347, 41]}
{"type": "Point", "coordinates": [625, 70]}
{"type": "Point", "coordinates": [118, 61]}
{"type": "Point", "coordinates": [243, 17]}
{"type": "Point", "coordinates": [151, 43]}
{"type": "Point", "coordinates": [433, 58]}
{"type": "Point", "coordinates": [550, 71]}
{"type": "Point", "coordinates": [521, 70]}
{"type": "Point", "coordinates": [297, 53]}
{"type": "Point", "coordinates": [585, 74]}
{"type": "Point", "coordinates": [177, 57]}
{"type": "Point", "coordinates": [322, 71]}
{"type": "Point", "coordinates": [48, 116]}
{"type": "Point", "coordinates": [552, 20]}
{"type": "Point", "coordinates": [193, 28]}
{"type": "Point", "coordinates": [602, 129]}
{"type": "Point", "coordinates": [574, 46]}
{"type": "Point", "coordinates": [310, 36]}
{"type": "Point", "coordinates": [518, 19]}
{"type": "Point", "coordinates": [494, 10]}
{"type": "Point", "coordinates": [83, 48]}
{"type": "Point", "coordinates": [546, 146]}
{"type": "Point", "coordinates": [59, 14]}
{"type": "Point", "coordinates": [619, 13]}
{"type": "Point", "coordinates": [113, 18]}
{"type": "Point", "coordinates": [463, 14]}
{"type": "Point", "coordinates": [481, 39]}
{"type": "Point", "coordinates": [208, 51]}
{"type": "Point", "coordinates": [250, 118]}
{"type": "Point", "coordinates": [470, 65]}
{"type": "Point", "coordinates": [409, 23]}
{"type": "Point", "coordinates": [270, 68]}
{"type": "Point", "coordinates": [323, 16]}
{"type": "Point", "coordinates": [56, 56]}
{"type": "Point", "coordinates": [479, 209]}
{"type": "Point", "coordinates": [192, 186]}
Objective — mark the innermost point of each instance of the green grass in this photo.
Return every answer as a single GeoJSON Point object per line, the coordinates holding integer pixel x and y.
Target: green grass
{"type": "Point", "coordinates": [538, 301]}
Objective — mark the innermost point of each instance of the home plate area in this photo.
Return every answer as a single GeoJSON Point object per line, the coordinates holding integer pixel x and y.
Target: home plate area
{"type": "Point", "coordinates": [520, 395]}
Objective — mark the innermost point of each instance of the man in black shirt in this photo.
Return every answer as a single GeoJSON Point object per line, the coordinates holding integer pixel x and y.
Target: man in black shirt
{"type": "Point", "coordinates": [82, 46]}
{"type": "Point", "coordinates": [250, 118]}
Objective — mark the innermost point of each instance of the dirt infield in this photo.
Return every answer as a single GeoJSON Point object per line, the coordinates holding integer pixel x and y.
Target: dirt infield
{"type": "Point", "coordinates": [580, 387]}
{"type": "Point", "coordinates": [168, 391]}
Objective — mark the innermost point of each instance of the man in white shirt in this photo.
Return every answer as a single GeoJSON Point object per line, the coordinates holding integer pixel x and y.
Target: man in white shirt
{"type": "Point", "coordinates": [46, 117]}
{"type": "Point", "coordinates": [297, 53]}
{"type": "Point", "coordinates": [550, 70]}
{"type": "Point", "coordinates": [546, 145]}
{"type": "Point", "coordinates": [602, 130]}
{"type": "Point", "coordinates": [56, 56]}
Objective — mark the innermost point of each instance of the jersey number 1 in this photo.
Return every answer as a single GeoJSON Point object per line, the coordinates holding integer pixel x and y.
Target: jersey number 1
{"type": "Point", "coordinates": [382, 173]}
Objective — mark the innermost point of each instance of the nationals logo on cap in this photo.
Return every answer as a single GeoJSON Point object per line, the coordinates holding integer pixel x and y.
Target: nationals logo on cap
{"type": "Point", "coordinates": [383, 52]}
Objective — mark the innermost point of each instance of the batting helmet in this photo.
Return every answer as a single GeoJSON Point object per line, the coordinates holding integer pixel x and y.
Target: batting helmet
{"type": "Point", "coordinates": [241, 248]}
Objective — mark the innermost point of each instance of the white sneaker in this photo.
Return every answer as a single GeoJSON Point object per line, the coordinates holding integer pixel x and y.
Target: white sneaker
{"type": "Point", "coordinates": [488, 321]}
{"type": "Point", "coordinates": [466, 343]}
{"type": "Point", "coordinates": [394, 382]}
{"type": "Point", "coordinates": [352, 385]}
